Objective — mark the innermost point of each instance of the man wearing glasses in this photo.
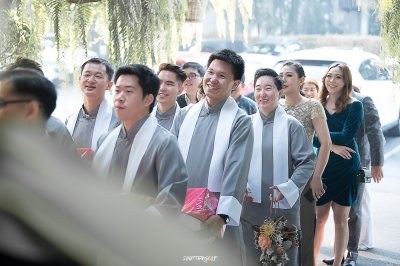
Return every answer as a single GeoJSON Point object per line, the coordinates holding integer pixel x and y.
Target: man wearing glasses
{"type": "Point", "coordinates": [26, 97]}
{"type": "Point", "coordinates": [194, 73]}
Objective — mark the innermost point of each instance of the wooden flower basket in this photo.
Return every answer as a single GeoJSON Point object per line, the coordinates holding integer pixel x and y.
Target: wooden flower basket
{"type": "Point", "coordinates": [196, 10]}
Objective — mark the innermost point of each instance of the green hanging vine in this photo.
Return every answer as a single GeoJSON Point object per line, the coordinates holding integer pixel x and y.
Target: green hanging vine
{"type": "Point", "coordinates": [139, 31]}
{"type": "Point", "coordinates": [390, 33]}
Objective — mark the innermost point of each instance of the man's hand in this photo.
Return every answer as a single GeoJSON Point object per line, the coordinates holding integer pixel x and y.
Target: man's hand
{"type": "Point", "coordinates": [215, 224]}
{"type": "Point", "coordinates": [342, 151]}
{"type": "Point", "coordinates": [279, 196]}
{"type": "Point", "coordinates": [247, 197]}
{"type": "Point", "coordinates": [317, 187]}
{"type": "Point", "coordinates": [377, 173]}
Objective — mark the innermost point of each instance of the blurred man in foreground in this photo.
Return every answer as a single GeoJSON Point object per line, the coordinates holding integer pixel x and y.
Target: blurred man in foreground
{"type": "Point", "coordinates": [26, 97]}
{"type": "Point", "coordinates": [55, 128]}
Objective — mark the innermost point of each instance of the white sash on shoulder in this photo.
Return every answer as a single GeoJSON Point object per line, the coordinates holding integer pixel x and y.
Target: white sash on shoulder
{"type": "Point", "coordinates": [221, 141]}
{"type": "Point", "coordinates": [280, 160]}
{"type": "Point", "coordinates": [142, 139]}
{"type": "Point", "coordinates": [101, 125]}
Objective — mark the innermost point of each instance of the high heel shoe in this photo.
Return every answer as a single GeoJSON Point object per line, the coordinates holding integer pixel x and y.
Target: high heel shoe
{"type": "Point", "coordinates": [330, 261]}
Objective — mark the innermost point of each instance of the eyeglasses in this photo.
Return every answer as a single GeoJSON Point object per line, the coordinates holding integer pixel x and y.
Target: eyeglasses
{"type": "Point", "coordinates": [5, 102]}
{"type": "Point", "coordinates": [192, 76]}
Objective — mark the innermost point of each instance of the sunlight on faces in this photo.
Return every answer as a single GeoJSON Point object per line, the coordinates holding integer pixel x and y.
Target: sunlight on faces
{"type": "Point", "coordinates": [218, 82]}
{"type": "Point", "coordinates": [191, 85]}
{"type": "Point", "coordinates": [292, 82]}
{"type": "Point", "coordinates": [169, 88]}
{"type": "Point", "coordinates": [334, 82]}
{"type": "Point", "coordinates": [94, 81]}
{"type": "Point", "coordinates": [130, 106]}
{"type": "Point", "coordinates": [310, 91]}
{"type": "Point", "coordinates": [266, 94]}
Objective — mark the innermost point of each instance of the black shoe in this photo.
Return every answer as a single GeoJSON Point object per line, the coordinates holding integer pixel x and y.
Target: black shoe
{"type": "Point", "coordinates": [330, 261]}
{"type": "Point", "coordinates": [349, 262]}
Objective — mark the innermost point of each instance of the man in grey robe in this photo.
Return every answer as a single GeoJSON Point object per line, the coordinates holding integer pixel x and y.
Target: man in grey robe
{"type": "Point", "coordinates": [96, 116]}
{"type": "Point", "coordinates": [171, 85]}
{"type": "Point", "coordinates": [206, 142]}
{"type": "Point", "coordinates": [301, 166]}
{"type": "Point", "coordinates": [272, 148]}
{"type": "Point", "coordinates": [139, 155]}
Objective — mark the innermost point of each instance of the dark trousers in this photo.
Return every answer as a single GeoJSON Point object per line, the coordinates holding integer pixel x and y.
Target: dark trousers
{"type": "Point", "coordinates": [355, 221]}
{"type": "Point", "coordinates": [307, 223]}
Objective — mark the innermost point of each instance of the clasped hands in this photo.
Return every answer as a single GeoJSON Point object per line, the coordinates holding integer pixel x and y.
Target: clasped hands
{"type": "Point", "coordinates": [279, 196]}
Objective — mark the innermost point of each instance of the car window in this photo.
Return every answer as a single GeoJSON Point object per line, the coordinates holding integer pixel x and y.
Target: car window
{"type": "Point", "coordinates": [370, 70]}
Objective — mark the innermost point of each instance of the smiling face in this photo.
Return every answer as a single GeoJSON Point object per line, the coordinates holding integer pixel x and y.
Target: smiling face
{"type": "Point", "coordinates": [192, 81]}
{"type": "Point", "coordinates": [334, 81]}
{"type": "Point", "coordinates": [310, 90]}
{"type": "Point", "coordinates": [292, 82]}
{"type": "Point", "coordinates": [169, 88]}
{"type": "Point", "coordinates": [266, 94]}
{"type": "Point", "coordinates": [94, 82]}
{"type": "Point", "coordinates": [218, 82]}
{"type": "Point", "coordinates": [130, 105]}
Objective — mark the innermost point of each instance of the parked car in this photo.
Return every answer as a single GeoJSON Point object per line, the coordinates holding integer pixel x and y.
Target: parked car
{"type": "Point", "coordinates": [274, 47]}
{"type": "Point", "coordinates": [372, 79]}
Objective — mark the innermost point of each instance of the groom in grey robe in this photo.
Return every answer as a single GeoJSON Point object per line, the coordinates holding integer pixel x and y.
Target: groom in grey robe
{"type": "Point", "coordinates": [140, 155]}
{"type": "Point", "coordinates": [96, 117]}
{"type": "Point", "coordinates": [218, 151]}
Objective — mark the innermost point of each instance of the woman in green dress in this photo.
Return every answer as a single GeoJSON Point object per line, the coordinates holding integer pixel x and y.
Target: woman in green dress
{"type": "Point", "coordinates": [344, 115]}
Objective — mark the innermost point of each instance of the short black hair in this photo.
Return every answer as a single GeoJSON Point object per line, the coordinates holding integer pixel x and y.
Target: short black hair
{"type": "Point", "coordinates": [271, 73]}
{"type": "Point", "coordinates": [196, 66]}
{"type": "Point", "coordinates": [232, 58]}
{"type": "Point", "coordinates": [109, 69]}
{"type": "Point", "coordinates": [148, 80]}
{"type": "Point", "coordinates": [27, 82]}
{"type": "Point", "coordinates": [22, 62]}
{"type": "Point", "coordinates": [180, 74]}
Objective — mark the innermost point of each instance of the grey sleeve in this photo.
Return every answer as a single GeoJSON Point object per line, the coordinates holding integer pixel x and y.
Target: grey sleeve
{"type": "Point", "coordinates": [170, 166]}
{"type": "Point", "coordinates": [302, 156]}
{"type": "Point", "coordinates": [373, 130]}
{"type": "Point", "coordinates": [178, 121]}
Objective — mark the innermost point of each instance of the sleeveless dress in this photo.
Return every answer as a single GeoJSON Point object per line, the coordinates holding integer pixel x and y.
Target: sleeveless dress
{"type": "Point", "coordinates": [340, 174]}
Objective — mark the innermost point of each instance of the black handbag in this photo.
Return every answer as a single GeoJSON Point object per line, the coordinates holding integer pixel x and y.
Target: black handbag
{"type": "Point", "coordinates": [364, 175]}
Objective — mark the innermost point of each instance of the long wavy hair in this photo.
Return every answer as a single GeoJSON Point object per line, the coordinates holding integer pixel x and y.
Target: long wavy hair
{"type": "Point", "coordinates": [345, 97]}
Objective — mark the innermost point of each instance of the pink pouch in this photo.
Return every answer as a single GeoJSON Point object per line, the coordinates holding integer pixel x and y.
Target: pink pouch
{"type": "Point", "coordinates": [86, 153]}
{"type": "Point", "coordinates": [200, 203]}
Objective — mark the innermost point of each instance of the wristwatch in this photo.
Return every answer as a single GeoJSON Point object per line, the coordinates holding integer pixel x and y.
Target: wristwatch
{"type": "Point", "coordinates": [224, 217]}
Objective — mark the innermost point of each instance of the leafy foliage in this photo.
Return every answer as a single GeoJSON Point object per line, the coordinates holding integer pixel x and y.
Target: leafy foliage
{"type": "Point", "coordinates": [139, 31]}
{"type": "Point", "coordinates": [21, 31]}
{"type": "Point", "coordinates": [390, 15]}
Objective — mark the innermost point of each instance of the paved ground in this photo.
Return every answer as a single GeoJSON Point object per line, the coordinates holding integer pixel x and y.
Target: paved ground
{"type": "Point", "coordinates": [385, 204]}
